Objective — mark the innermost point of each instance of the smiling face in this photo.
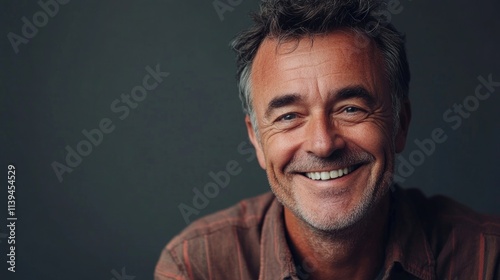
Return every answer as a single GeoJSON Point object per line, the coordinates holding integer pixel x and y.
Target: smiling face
{"type": "Point", "coordinates": [325, 123]}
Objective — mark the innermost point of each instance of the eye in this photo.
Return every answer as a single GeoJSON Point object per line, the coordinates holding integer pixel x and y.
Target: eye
{"type": "Point", "coordinates": [287, 117]}
{"type": "Point", "coordinates": [352, 110]}
{"type": "Point", "coordinates": [351, 114]}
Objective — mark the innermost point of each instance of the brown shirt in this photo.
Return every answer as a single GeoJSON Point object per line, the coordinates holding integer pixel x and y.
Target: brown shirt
{"type": "Point", "coordinates": [429, 238]}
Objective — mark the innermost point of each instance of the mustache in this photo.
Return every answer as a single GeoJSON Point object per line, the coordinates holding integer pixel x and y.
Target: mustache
{"type": "Point", "coordinates": [338, 159]}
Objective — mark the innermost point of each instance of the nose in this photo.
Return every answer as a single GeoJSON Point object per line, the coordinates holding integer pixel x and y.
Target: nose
{"type": "Point", "coordinates": [322, 137]}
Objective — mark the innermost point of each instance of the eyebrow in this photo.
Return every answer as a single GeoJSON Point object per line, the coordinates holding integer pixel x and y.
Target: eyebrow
{"type": "Point", "coordinates": [355, 92]}
{"type": "Point", "coordinates": [340, 95]}
{"type": "Point", "coordinates": [282, 101]}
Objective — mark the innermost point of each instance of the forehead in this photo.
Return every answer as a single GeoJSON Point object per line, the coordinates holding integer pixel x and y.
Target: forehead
{"type": "Point", "coordinates": [316, 64]}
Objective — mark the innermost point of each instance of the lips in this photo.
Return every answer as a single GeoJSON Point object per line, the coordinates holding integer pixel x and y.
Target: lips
{"type": "Point", "coordinates": [329, 175]}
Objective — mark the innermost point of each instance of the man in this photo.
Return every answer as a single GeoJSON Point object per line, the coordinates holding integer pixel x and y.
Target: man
{"type": "Point", "coordinates": [324, 85]}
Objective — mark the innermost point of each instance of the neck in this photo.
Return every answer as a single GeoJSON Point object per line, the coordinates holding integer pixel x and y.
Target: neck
{"type": "Point", "coordinates": [353, 253]}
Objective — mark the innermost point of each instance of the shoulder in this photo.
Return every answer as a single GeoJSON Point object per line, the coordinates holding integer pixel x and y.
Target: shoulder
{"type": "Point", "coordinates": [245, 214]}
{"type": "Point", "coordinates": [215, 237]}
{"type": "Point", "coordinates": [463, 241]}
{"type": "Point", "coordinates": [444, 212]}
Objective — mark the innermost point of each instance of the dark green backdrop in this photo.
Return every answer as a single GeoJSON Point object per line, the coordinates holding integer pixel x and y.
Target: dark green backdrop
{"type": "Point", "coordinates": [119, 206]}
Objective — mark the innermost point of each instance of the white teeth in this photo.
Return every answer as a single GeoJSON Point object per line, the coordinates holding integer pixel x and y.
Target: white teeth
{"type": "Point", "coordinates": [328, 175]}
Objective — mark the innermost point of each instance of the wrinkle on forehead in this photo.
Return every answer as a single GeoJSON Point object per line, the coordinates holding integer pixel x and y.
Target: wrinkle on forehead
{"type": "Point", "coordinates": [345, 42]}
{"type": "Point", "coordinates": [307, 58]}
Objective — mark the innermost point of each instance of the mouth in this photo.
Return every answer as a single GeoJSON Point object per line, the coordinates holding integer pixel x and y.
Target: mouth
{"type": "Point", "coordinates": [330, 174]}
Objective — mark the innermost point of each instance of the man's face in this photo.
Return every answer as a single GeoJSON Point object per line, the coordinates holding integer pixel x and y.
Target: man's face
{"type": "Point", "coordinates": [325, 121]}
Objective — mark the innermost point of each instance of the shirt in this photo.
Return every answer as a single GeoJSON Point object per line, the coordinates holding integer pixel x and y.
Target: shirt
{"type": "Point", "coordinates": [429, 238]}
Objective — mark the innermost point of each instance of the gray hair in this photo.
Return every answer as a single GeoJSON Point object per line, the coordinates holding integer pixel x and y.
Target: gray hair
{"type": "Point", "coordinates": [294, 19]}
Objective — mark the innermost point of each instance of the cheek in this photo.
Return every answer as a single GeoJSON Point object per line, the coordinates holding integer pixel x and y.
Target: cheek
{"type": "Point", "coordinates": [279, 150]}
{"type": "Point", "coordinates": [370, 137]}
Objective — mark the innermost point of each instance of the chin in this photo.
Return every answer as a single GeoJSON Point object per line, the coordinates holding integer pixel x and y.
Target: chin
{"type": "Point", "coordinates": [332, 218]}
{"type": "Point", "coordinates": [338, 213]}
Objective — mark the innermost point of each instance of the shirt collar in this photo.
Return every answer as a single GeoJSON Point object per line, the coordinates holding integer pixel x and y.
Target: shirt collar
{"type": "Point", "coordinates": [407, 243]}
{"type": "Point", "coordinates": [276, 261]}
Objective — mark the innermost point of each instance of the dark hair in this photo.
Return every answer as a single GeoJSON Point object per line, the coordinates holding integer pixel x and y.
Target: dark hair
{"type": "Point", "coordinates": [295, 19]}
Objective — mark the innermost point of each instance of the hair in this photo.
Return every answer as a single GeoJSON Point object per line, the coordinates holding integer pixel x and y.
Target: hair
{"type": "Point", "coordinates": [286, 20]}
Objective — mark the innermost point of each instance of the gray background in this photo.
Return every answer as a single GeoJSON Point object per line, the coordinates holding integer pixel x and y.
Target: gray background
{"type": "Point", "coordinates": [119, 207]}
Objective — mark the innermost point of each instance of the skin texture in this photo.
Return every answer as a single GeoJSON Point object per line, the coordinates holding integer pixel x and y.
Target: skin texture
{"type": "Point", "coordinates": [322, 105]}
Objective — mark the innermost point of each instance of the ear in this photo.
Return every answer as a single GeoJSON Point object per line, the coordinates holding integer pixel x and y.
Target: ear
{"type": "Point", "coordinates": [255, 142]}
{"type": "Point", "coordinates": [404, 124]}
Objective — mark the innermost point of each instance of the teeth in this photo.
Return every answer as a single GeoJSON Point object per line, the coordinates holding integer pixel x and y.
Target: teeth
{"type": "Point", "coordinates": [328, 175]}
